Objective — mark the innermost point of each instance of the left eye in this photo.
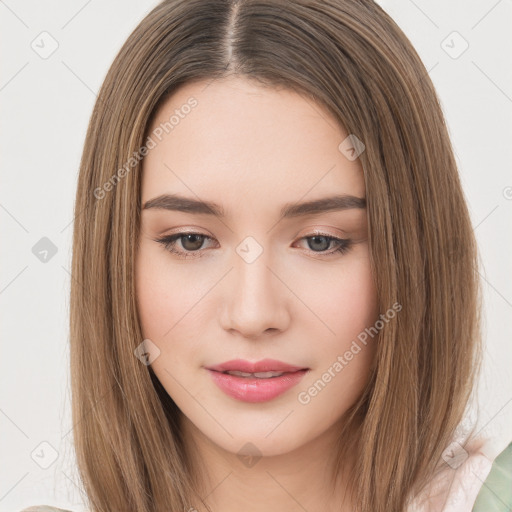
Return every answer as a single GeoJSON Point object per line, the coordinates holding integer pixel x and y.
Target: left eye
{"type": "Point", "coordinates": [192, 243]}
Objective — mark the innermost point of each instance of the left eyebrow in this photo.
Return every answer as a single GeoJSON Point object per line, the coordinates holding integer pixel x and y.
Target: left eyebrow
{"type": "Point", "coordinates": [326, 204]}
{"type": "Point", "coordinates": [174, 202]}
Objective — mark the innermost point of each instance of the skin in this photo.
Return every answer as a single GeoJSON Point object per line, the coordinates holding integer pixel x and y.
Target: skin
{"type": "Point", "coordinates": [251, 149]}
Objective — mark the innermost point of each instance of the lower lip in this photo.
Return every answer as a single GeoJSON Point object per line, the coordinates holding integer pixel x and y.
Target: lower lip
{"type": "Point", "coordinates": [252, 389]}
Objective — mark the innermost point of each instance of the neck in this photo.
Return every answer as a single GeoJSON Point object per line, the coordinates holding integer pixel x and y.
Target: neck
{"type": "Point", "coordinates": [295, 481]}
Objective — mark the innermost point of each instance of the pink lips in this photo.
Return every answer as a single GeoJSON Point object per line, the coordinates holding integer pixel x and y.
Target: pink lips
{"type": "Point", "coordinates": [254, 389]}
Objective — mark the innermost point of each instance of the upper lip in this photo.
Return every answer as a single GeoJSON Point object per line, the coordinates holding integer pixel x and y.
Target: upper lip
{"type": "Point", "coordinates": [265, 365]}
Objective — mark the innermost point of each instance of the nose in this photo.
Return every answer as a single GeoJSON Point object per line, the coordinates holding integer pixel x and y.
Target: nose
{"type": "Point", "coordinates": [255, 301]}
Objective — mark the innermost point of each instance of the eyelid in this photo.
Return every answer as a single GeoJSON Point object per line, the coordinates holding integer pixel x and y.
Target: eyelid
{"type": "Point", "coordinates": [327, 231]}
{"type": "Point", "coordinates": [189, 230]}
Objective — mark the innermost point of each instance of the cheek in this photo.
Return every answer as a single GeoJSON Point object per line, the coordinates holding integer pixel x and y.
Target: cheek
{"type": "Point", "coordinates": [172, 303]}
{"type": "Point", "coordinates": [161, 301]}
{"type": "Point", "coordinates": [165, 295]}
{"type": "Point", "coordinates": [350, 305]}
{"type": "Point", "coordinates": [154, 296]}
{"type": "Point", "coordinates": [344, 359]}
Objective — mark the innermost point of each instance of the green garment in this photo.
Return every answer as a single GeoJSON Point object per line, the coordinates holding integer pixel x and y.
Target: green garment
{"type": "Point", "coordinates": [496, 492]}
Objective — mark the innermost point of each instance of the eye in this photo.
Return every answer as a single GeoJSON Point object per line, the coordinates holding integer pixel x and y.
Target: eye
{"type": "Point", "coordinates": [319, 243]}
{"type": "Point", "coordinates": [192, 243]}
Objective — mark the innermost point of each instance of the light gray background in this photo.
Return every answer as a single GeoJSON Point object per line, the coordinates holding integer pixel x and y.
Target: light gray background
{"type": "Point", "coordinates": [46, 104]}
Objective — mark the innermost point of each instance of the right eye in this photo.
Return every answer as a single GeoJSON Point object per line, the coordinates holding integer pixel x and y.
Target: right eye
{"type": "Point", "coordinates": [190, 242]}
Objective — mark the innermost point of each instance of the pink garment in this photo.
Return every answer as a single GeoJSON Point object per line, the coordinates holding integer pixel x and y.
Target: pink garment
{"type": "Point", "coordinates": [455, 489]}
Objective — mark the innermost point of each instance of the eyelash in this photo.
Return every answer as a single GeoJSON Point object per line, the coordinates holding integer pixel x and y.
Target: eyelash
{"type": "Point", "coordinates": [169, 243]}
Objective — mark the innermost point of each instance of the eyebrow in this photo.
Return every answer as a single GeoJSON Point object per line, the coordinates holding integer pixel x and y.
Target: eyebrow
{"type": "Point", "coordinates": [174, 202]}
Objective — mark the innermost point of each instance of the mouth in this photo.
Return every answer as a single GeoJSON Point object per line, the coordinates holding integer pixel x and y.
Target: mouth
{"type": "Point", "coordinates": [257, 375]}
{"type": "Point", "coordinates": [259, 367]}
{"type": "Point", "coordinates": [256, 382]}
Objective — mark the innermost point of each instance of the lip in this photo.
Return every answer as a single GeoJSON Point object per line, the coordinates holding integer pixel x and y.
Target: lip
{"type": "Point", "coordinates": [247, 389]}
{"type": "Point", "coordinates": [265, 365]}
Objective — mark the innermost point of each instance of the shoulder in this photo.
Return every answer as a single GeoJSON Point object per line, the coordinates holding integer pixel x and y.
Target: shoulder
{"type": "Point", "coordinates": [458, 481]}
{"type": "Point", "coordinates": [44, 508]}
{"type": "Point", "coordinates": [496, 491]}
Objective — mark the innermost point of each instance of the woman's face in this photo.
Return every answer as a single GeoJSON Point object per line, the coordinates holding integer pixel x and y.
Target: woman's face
{"type": "Point", "coordinates": [255, 283]}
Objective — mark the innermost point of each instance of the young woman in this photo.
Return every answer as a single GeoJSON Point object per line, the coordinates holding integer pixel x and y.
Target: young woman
{"type": "Point", "coordinates": [274, 270]}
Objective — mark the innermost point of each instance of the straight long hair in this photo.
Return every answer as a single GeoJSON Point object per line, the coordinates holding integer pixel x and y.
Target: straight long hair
{"type": "Point", "coordinates": [350, 57]}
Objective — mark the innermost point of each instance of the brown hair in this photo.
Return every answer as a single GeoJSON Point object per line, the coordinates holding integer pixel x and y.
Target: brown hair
{"type": "Point", "coordinates": [350, 57]}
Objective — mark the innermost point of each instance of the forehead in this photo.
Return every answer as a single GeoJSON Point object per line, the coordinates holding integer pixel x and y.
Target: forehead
{"type": "Point", "coordinates": [232, 138]}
